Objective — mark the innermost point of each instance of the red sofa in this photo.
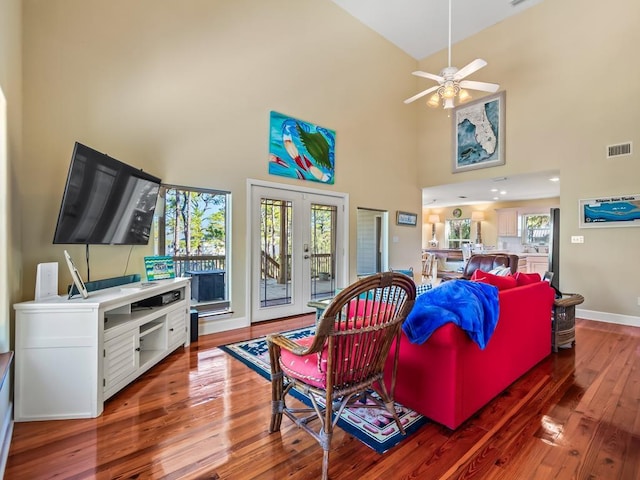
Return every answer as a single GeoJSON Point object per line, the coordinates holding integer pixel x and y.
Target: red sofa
{"type": "Point", "coordinates": [448, 378]}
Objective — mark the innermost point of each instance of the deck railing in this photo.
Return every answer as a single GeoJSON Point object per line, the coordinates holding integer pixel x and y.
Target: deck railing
{"type": "Point", "coordinates": [321, 263]}
{"type": "Point", "coordinates": [198, 263]}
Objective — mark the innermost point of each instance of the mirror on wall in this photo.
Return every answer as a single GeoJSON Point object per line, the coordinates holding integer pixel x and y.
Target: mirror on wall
{"type": "Point", "coordinates": [372, 244]}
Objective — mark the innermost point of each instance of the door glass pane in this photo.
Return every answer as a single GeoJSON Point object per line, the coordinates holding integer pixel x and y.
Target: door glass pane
{"type": "Point", "coordinates": [275, 247]}
{"type": "Point", "coordinates": [323, 249]}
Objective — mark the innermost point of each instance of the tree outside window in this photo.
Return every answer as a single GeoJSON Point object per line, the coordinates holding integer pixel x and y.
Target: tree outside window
{"type": "Point", "coordinates": [457, 232]}
{"type": "Point", "coordinates": [193, 229]}
{"type": "Point", "coordinates": [536, 229]}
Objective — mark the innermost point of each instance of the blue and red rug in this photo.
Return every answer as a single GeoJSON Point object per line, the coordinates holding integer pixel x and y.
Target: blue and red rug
{"type": "Point", "coordinates": [373, 427]}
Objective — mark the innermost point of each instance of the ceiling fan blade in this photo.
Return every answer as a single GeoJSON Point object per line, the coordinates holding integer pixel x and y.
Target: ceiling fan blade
{"type": "Point", "coordinates": [482, 86]}
{"type": "Point", "coordinates": [430, 76]}
{"type": "Point", "coordinates": [470, 68]}
{"type": "Point", "coordinates": [422, 94]}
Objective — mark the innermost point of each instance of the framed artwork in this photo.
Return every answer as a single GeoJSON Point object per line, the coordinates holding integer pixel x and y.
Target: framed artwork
{"type": "Point", "coordinates": [478, 133]}
{"type": "Point", "coordinates": [618, 211]}
{"type": "Point", "coordinates": [301, 150]}
{"type": "Point", "coordinates": [406, 218]}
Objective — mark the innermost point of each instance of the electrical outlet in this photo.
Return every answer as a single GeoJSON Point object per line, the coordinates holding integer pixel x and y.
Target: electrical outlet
{"type": "Point", "coordinates": [577, 239]}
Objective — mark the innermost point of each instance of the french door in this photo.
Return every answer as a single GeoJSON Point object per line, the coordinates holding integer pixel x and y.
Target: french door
{"type": "Point", "coordinates": [297, 250]}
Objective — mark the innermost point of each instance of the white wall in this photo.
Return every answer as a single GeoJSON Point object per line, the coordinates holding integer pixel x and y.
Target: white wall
{"type": "Point", "coordinates": [570, 73]}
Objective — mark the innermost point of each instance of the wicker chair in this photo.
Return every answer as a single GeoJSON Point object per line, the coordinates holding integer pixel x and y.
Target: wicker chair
{"type": "Point", "coordinates": [345, 359]}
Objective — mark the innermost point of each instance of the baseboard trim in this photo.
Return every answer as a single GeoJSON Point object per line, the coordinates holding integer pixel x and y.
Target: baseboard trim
{"type": "Point", "coordinates": [7, 433]}
{"type": "Point", "coordinates": [212, 324]}
{"type": "Point", "coordinates": [628, 320]}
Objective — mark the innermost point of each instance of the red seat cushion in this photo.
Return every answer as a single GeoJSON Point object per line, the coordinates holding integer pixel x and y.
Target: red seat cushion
{"type": "Point", "coordinates": [311, 369]}
{"type": "Point", "coordinates": [503, 282]}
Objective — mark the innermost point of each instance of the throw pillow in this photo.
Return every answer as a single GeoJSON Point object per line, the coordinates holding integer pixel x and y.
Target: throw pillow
{"type": "Point", "coordinates": [503, 282]}
{"type": "Point", "coordinates": [502, 271]}
{"type": "Point", "coordinates": [527, 278]}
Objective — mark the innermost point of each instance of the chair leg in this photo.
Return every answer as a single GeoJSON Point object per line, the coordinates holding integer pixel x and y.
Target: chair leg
{"type": "Point", "coordinates": [389, 405]}
{"type": "Point", "coordinates": [325, 465]}
{"type": "Point", "coordinates": [277, 388]}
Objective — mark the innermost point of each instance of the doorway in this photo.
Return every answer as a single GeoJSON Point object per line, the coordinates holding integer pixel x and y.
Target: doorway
{"type": "Point", "coordinates": [373, 227]}
{"type": "Point", "coordinates": [297, 249]}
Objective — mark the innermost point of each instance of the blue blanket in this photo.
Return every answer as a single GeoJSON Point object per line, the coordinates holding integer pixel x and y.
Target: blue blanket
{"type": "Point", "coordinates": [473, 306]}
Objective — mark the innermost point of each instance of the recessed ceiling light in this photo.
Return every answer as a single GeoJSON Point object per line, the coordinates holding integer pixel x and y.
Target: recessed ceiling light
{"type": "Point", "coordinates": [555, 179]}
{"type": "Point", "coordinates": [496, 198]}
{"type": "Point", "coordinates": [503, 192]}
{"type": "Point", "coordinates": [494, 190]}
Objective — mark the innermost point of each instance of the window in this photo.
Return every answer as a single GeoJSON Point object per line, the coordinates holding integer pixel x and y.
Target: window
{"type": "Point", "coordinates": [193, 228]}
{"type": "Point", "coordinates": [536, 229]}
{"type": "Point", "coordinates": [457, 231]}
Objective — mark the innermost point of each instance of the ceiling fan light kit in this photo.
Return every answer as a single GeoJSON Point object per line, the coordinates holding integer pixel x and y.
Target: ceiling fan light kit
{"type": "Point", "coordinates": [451, 82]}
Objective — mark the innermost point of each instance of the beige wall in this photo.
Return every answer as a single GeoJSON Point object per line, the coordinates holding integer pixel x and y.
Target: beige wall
{"type": "Point", "coordinates": [570, 75]}
{"type": "Point", "coordinates": [184, 90]}
{"type": "Point", "coordinates": [10, 151]}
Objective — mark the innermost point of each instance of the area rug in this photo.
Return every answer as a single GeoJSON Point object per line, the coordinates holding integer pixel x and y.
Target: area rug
{"type": "Point", "coordinates": [373, 427]}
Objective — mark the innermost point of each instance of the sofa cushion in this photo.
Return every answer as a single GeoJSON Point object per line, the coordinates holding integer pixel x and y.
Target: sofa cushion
{"type": "Point", "coordinates": [501, 271]}
{"type": "Point", "coordinates": [503, 282]}
{"type": "Point", "coordinates": [488, 262]}
{"type": "Point", "coordinates": [527, 278]}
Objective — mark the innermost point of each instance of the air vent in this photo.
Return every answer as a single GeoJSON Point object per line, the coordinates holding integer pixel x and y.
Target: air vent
{"type": "Point", "coordinates": [619, 150]}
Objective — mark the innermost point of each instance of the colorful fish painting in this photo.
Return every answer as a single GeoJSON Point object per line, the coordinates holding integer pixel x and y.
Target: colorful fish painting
{"type": "Point", "coordinates": [301, 150]}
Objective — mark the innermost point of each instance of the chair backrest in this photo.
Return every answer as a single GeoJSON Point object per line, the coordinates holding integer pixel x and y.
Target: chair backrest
{"type": "Point", "coordinates": [359, 327]}
{"type": "Point", "coordinates": [428, 262]}
{"type": "Point", "coordinates": [466, 252]}
{"type": "Point", "coordinates": [487, 262]}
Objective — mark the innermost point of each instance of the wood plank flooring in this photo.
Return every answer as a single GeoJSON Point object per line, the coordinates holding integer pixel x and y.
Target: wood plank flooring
{"type": "Point", "coordinates": [201, 414]}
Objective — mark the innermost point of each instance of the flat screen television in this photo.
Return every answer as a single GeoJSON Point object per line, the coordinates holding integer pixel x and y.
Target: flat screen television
{"type": "Point", "coordinates": [105, 201]}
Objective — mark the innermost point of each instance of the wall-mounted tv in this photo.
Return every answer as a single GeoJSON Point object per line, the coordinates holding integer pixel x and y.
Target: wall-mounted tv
{"type": "Point", "coordinates": [105, 201]}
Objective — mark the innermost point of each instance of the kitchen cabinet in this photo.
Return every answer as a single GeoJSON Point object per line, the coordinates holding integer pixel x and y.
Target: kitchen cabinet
{"type": "Point", "coordinates": [507, 222]}
{"type": "Point", "coordinates": [537, 264]}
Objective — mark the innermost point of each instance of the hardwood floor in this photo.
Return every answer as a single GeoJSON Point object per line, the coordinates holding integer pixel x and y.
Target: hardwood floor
{"type": "Point", "coordinates": [201, 414]}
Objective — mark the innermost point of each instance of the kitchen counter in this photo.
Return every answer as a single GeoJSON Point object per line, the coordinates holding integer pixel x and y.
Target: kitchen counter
{"type": "Point", "coordinates": [446, 254]}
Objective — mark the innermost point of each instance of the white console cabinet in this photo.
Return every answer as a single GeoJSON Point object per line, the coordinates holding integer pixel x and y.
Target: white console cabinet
{"type": "Point", "coordinates": [73, 354]}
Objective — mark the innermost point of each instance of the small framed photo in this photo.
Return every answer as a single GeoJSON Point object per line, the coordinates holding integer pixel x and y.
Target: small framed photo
{"type": "Point", "coordinates": [406, 218]}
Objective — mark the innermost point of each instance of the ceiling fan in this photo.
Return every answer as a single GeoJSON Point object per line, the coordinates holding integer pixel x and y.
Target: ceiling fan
{"type": "Point", "coordinates": [451, 81]}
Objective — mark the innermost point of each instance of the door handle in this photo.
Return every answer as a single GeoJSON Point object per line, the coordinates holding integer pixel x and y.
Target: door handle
{"type": "Point", "coordinates": [306, 257]}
